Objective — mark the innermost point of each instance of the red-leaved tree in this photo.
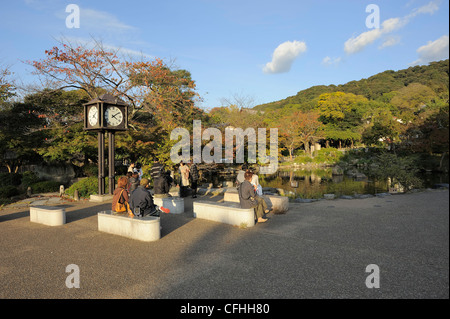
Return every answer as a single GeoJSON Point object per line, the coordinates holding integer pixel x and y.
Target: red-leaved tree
{"type": "Point", "coordinates": [149, 86]}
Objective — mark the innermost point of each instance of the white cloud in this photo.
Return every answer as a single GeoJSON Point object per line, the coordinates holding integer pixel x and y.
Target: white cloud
{"type": "Point", "coordinates": [393, 24]}
{"type": "Point", "coordinates": [331, 61]}
{"type": "Point", "coordinates": [430, 8]}
{"type": "Point", "coordinates": [433, 51]}
{"type": "Point", "coordinates": [358, 43]}
{"type": "Point", "coordinates": [390, 41]}
{"type": "Point", "coordinates": [283, 56]}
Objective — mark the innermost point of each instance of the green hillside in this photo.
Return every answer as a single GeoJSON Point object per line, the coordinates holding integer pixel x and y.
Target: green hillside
{"type": "Point", "coordinates": [377, 87]}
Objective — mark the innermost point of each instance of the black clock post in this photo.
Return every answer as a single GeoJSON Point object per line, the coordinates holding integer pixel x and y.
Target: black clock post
{"type": "Point", "coordinates": [106, 114]}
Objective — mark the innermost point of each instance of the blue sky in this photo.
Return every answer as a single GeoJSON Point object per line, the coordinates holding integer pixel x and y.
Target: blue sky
{"type": "Point", "coordinates": [263, 50]}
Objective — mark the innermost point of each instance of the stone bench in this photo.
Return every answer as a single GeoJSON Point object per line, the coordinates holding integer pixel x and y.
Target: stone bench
{"type": "Point", "coordinates": [175, 204]}
{"type": "Point", "coordinates": [48, 215]}
{"type": "Point", "coordinates": [227, 212]}
{"type": "Point", "coordinates": [139, 228]}
{"type": "Point", "coordinates": [279, 204]}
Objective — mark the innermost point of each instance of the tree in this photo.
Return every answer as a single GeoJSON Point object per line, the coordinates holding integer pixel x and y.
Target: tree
{"type": "Point", "coordinates": [64, 139]}
{"type": "Point", "coordinates": [397, 170]}
{"type": "Point", "coordinates": [411, 99]}
{"type": "Point", "coordinates": [20, 134]}
{"type": "Point", "coordinates": [232, 115]}
{"type": "Point", "coordinates": [342, 114]}
{"type": "Point", "coordinates": [383, 128]}
{"type": "Point", "coordinates": [150, 86]}
{"type": "Point", "coordinates": [160, 96]}
{"type": "Point", "coordinates": [343, 109]}
{"type": "Point", "coordinates": [430, 132]}
{"type": "Point", "coordinates": [6, 86]}
{"type": "Point", "coordinates": [299, 129]}
{"type": "Point", "coordinates": [435, 76]}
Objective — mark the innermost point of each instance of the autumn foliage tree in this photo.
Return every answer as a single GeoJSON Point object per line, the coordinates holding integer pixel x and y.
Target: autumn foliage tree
{"type": "Point", "coordinates": [299, 129]}
{"type": "Point", "coordinates": [150, 86]}
{"type": "Point", "coordinates": [160, 97]}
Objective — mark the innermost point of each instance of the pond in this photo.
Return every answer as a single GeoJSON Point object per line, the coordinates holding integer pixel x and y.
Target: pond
{"type": "Point", "coordinates": [304, 183]}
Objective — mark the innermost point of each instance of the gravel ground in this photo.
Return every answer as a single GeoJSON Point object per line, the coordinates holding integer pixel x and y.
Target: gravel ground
{"type": "Point", "coordinates": [316, 250]}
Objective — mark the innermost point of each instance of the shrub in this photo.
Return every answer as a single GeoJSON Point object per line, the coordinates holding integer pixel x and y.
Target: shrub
{"type": "Point", "coordinates": [303, 159]}
{"type": "Point", "coordinates": [29, 178]}
{"type": "Point", "coordinates": [328, 155]}
{"type": "Point", "coordinates": [45, 187]}
{"type": "Point", "coordinates": [8, 191]}
{"type": "Point", "coordinates": [86, 187]}
{"type": "Point", "coordinates": [10, 179]}
{"type": "Point", "coordinates": [402, 170]}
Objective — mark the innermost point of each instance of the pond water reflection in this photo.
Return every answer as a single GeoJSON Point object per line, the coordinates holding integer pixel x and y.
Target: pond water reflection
{"type": "Point", "coordinates": [303, 183]}
{"type": "Point", "coordinates": [314, 184]}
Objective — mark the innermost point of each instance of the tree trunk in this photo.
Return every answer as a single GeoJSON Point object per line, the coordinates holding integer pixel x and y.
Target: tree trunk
{"type": "Point", "coordinates": [307, 149]}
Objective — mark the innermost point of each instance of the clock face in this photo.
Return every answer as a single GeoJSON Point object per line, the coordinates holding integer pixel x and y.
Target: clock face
{"type": "Point", "coordinates": [93, 116]}
{"type": "Point", "coordinates": [113, 116]}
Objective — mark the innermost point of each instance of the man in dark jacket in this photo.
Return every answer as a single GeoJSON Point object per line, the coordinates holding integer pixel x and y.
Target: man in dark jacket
{"type": "Point", "coordinates": [156, 171]}
{"type": "Point", "coordinates": [141, 201]}
{"type": "Point", "coordinates": [161, 186]}
{"type": "Point", "coordinates": [249, 199]}
{"type": "Point", "coordinates": [193, 176]}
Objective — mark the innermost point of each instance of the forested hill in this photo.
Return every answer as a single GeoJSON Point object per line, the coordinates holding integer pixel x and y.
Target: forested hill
{"type": "Point", "coordinates": [377, 87]}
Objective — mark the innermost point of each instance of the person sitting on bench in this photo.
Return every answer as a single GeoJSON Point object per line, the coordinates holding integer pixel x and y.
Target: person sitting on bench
{"type": "Point", "coordinates": [249, 199]}
{"type": "Point", "coordinates": [141, 201]}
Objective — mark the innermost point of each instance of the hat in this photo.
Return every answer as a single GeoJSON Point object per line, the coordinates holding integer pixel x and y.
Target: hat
{"type": "Point", "coordinates": [144, 182]}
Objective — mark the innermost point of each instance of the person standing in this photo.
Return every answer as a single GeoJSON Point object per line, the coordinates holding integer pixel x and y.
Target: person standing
{"type": "Point", "coordinates": [138, 169]}
{"type": "Point", "coordinates": [161, 186]}
{"type": "Point", "coordinates": [156, 171]}
{"type": "Point", "coordinates": [184, 179]}
{"type": "Point", "coordinates": [193, 175]}
{"type": "Point", "coordinates": [131, 168]}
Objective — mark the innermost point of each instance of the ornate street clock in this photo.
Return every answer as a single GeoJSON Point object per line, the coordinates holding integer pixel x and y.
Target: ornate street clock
{"type": "Point", "coordinates": [93, 119]}
{"type": "Point", "coordinates": [106, 114]}
{"type": "Point", "coordinates": [115, 117]}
